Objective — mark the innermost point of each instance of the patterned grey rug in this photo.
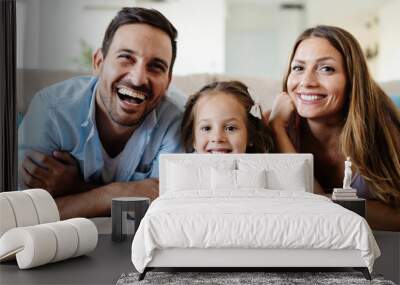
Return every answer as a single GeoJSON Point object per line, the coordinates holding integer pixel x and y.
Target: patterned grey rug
{"type": "Point", "coordinates": [230, 278]}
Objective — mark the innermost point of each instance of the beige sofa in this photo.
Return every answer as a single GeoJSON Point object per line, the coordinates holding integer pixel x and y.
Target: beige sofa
{"type": "Point", "coordinates": [263, 90]}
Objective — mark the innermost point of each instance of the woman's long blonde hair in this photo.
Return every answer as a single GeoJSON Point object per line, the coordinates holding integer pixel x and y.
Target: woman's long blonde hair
{"type": "Point", "coordinates": [371, 130]}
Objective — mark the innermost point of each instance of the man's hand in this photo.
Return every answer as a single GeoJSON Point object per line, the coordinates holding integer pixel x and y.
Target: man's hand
{"type": "Point", "coordinates": [59, 174]}
{"type": "Point", "coordinates": [97, 201]}
{"type": "Point", "coordinates": [146, 188]}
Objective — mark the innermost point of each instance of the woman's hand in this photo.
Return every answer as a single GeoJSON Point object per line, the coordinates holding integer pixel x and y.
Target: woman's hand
{"type": "Point", "coordinates": [278, 119]}
{"type": "Point", "coordinates": [282, 110]}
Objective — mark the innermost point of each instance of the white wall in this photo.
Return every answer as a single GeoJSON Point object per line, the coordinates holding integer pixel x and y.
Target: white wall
{"type": "Point", "coordinates": [55, 27]}
{"type": "Point", "coordinates": [201, 39]}
{"type": "Point", "coordinates": [28, 16]}
{"type": "Point", "coordinates": [259, 36]}
{"type": "Point", "coordinates": [21, 18]}
{"type": "Point", "coordinates": [241, 37]}
{"type": "Point", "coordinates": [389, 38]}
{"type": "Point", "coordinates": [352, 16]}
{"type": "Point", "coordinates": [293, 23]}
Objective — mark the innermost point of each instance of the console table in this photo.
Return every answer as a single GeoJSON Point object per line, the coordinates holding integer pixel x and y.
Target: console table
{"type": "Point", "coordinates": [104, 265]}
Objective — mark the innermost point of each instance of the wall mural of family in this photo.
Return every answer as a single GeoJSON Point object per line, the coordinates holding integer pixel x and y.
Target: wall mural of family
{"type": "Point", "coordinates": [89, 139]}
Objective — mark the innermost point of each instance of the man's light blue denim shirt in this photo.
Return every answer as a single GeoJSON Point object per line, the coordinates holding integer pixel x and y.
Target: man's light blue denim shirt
{"type": "Point", "coordinates": [62, 117]}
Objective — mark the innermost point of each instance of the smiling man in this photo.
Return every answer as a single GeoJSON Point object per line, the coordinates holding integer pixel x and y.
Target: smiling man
{"type": "Point", "coordinates": [89, 139]}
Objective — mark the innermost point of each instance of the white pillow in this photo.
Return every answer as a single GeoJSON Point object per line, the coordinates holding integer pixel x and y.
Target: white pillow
{"type": "Point", "coordinates": [226, 179]}
{"type": "Point", "coordinates": [251, 178]}
{"type": "Point", "coordinates": [186, 175]}
{"type": "Point", "coordinates": [292, 179]}
{"type": "Point", "coordinates": [182, 177]}
{"type": "Point", "coordinates": [223, 179]}
{"type": "Point", "coordinates": [289, 175]}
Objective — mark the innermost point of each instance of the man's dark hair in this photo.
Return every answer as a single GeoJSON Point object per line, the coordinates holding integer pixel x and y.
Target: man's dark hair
{"type": "Point", "coordinates": [136, 15]}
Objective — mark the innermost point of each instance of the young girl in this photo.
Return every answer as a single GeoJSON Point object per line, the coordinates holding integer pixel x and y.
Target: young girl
{"type": "Point", "coordinates": [217, 119]}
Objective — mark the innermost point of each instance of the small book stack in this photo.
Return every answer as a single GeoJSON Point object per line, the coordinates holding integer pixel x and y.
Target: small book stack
{"type": "Point", "coordinates": [344, 194]}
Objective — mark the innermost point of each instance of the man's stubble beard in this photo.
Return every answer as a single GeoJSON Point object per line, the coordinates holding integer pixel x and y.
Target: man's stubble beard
{"type": "Point", "coordinates": [113, 116]}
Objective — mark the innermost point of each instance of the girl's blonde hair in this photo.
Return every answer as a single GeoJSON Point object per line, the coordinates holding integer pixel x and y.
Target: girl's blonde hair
{"type": "Point", "coordinates": [371, 126]}
{"type": "Point", "coordinates": [260, 139]}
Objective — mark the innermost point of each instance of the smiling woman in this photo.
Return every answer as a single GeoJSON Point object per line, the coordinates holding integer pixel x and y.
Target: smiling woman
{"type": "Point", "coordinates": [317, 80]}
{"type": "Point", "coordinates": [332, 108]}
